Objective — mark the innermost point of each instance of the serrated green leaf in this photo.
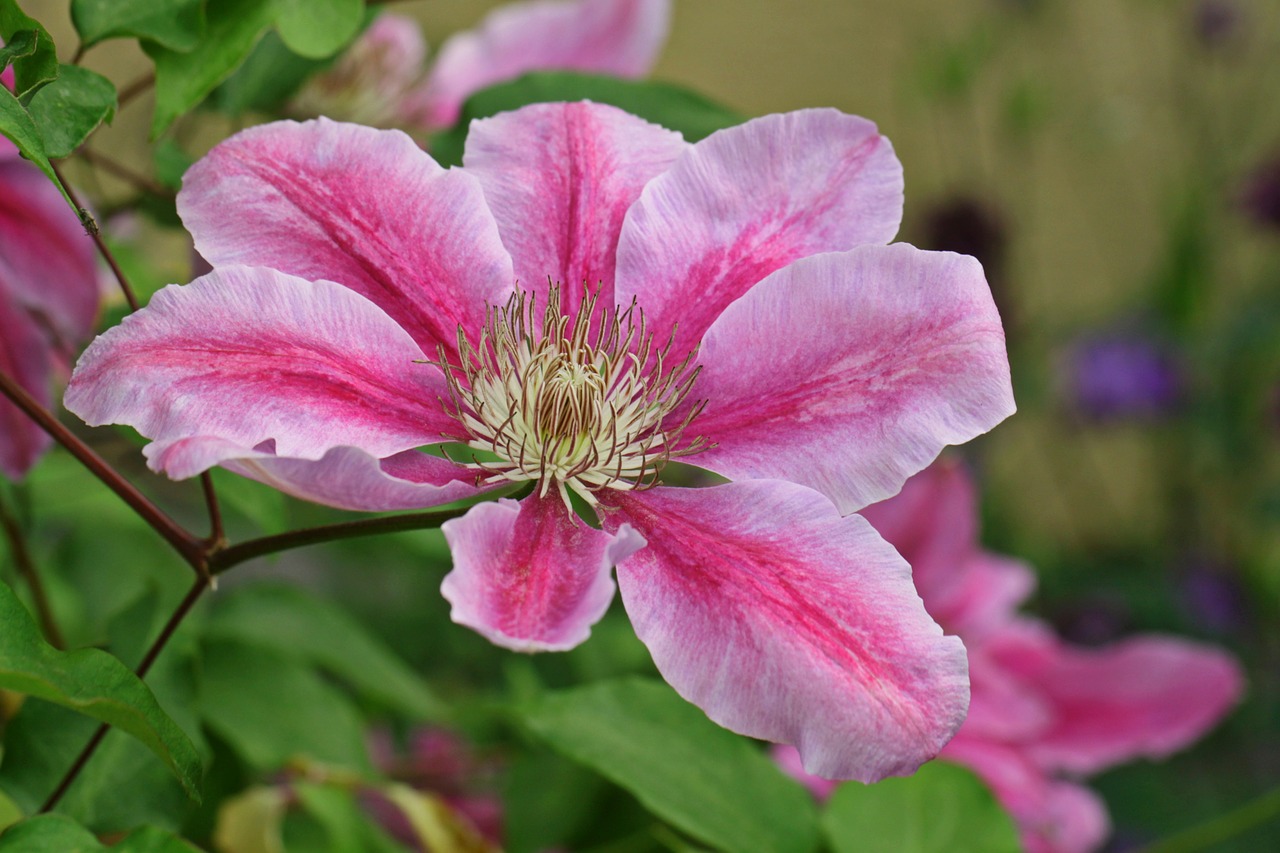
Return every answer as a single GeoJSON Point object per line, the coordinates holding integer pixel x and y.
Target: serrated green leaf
{"type": "Point", "coordinates": [184, 79]}
{"type": "Point", "coordinates": [289, 621]}
{"type": "Point", "coordinates": [40, 64]}
{"type": "Point", "coordinates": [702, 779]}
{"type": "Point", "coordinates": [49, 833]}
{"type": "Point", "coordinates": [270, 709]}
{"type": "Point", "coordinates": [941, 809]}
{"type": "Point", "coordinates": [92, 683]}
{"type": "Point", "coordinates": [175, 24]}
{"type": "Point", "coordinates": [318, 28]}
{"type": "Point", "coordinates": [70, 108]}
{"type": "Point", "coordinates": [671, 106]}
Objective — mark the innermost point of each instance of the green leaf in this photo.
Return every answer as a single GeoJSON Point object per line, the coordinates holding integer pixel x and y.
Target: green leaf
{"type": "Point", "coordinates": [175, 24]}
{"type": "Point", "coordinates": [271, 709]}
{"type": "Point", "coordinates": [251, 822]}
{"type": "Point", "coordinates": [941, 809]}
{"type": "Point", "coordinates": [671, 106]}
{"type": "Point", "coordinates": [70, 108]}
{"type": "Point", "coordinates": [21, 44]}
{"type": "Point", "coordinates": [704, 780]}
{"type": "Point", "coordinates": [318, 28]}
{"type": "Point", "coordinates": [17, 125]}
{"type": "Point", "coordinates": [49, 833]}
{"type": "Point", "coordinates": [291, 622]}
{"type": "Point", "coordinates": [269, 77]}
{"type": "Point", "coordinates": [93, 683]}
{"type": "Point", "coordinates": [36, 66]}
{"type": "Point", "coordinates": [345, 824]}
{"type": "Point", "coordinates": [150, 839]}
{"type": "Point", "coordinates": [184, 79]}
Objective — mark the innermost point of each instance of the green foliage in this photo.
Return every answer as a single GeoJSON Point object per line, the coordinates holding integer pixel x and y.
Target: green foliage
{"type": "Point", "coordinates": [704, 780]}
{"type": "Point", "coordinates": [70, 108]}
{"type": "Point", "coordinates": [22, 44]}
{"type": "Point", "coordinates": [93, 683]}
{"type": "Point", "coordinates": [174, 24]}
{"type": "Point", "coordinates": [266, 79]}
{"type": "Point", "coordinates": [671, 106]}
{"type": "Point", "coordinates": [290, 622]}
{"type": "Point", "coordinates": [39, 63]}
{"type": "Point", "coordinates": [941, 809]}
{"type": "Point", "coordinates": [318, 28]}
{"type": "Point", "coordinates": [56, 833]}
{"type": "Point", "coordinates": [273, 709]}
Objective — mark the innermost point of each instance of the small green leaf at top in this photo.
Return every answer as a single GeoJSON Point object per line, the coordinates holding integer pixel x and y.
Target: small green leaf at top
{"type": "Point", "coordinates": [318, 28]}
{"type": "Point", "coordinates": [711, 784]}
{"type": "Point", "coordinates": [174, 24]}
{"type": "Point", "coordinates": [93, 683]}
{"type": "Point", "coordinates": [673, 107]}
{"type": "Point", "coordinates": [943, 808]}
{"type": "Point", "coordinates": [70, 108]}
{"type": "Point", "coordinates": [36, 66]}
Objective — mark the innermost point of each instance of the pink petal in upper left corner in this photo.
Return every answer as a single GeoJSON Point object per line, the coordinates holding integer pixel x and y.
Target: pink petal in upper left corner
{"type": "Point", "coordinates": [559, 179]}
{"type": "Point", "coordinates": [24, 356]}
{"type": "Point", "coordinates": [47, 261]}
{"type": "Point", "coordinates": [618, 37]}
{"type": "Point", "coordinates": [1147, 696]}
{"type": "Point", "coordinates": [849, 372]}
{"type": "Point", "coordinates": [530, 576]}
{"type": "Point", "coordinates": [786, 622]}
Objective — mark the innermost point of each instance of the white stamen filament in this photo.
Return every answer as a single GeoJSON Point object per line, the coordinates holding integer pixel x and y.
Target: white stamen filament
{"type": "Point", "coordinates": [569, 407]}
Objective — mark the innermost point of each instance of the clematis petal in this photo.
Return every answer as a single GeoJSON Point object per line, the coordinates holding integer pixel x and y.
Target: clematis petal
{"type": "Point", "coordinates": [46, 260]}
{"type": "Point", "coordinates": [784, 621]}
{"type": "Point", "coordinates": [850, 372]}
{"type": "Point", "coordinates": [1052, 816]}
{"type": "Point", "coordinates": [365, 208]}
{"type": "Point", "coordinates": [559, 179]}
{"type": "Point", "coordinates": [618, 37]}
{"type": "Point", "coordinates": [24, 356]}
{"type": "Point", "coordinates": [248, 354]}
{"type": "Point", "coordinates": [1147, 696]}
{"type": "Point", "coordinates": [747, 201]}
{"type": "Point", "coordinates": [530, 576]}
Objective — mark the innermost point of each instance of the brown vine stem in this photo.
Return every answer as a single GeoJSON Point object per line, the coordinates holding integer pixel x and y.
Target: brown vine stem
{"type": "Point", "coordinates": [166, 633]}
{"type": "Point", "coordinates": [91, 227]}
{"type": "Point", "coordinates": [187, 546]}
{"type": "Point", "coordinates": [27, 568]}
{"type": "Point", "coordinates": [136, 88]}
{"type": "Point", "coordinates": [138, 181]}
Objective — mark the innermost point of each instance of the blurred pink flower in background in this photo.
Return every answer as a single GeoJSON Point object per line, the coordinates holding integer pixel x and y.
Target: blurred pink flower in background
{"type": "Point", "coordinates": [1043, 713]}
{"type": "Point", "coordinates": [575, 278]}
{"type": "Point", "coordinates": [383, 79]}
{"type": "Point", "coordinates": [49, 296]}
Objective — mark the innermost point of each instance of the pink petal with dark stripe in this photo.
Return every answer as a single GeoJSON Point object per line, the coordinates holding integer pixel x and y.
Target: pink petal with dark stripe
{"type": "Point", "coordinates": [786, 622]}
{"type": "Point", "coordinates": [531, 576]}
{"type": "Point", "coordinates": [247, 355]}
{"type": "Point", "coordinates": [24, 356]}
{"type": "Point", "coordinates": [559, 179]}
{"type": "Point", "coordinates": [365, 208]}
{"type": "Point", "coordinates": [850, 372]}
{"type": "Point", "coordinates": [47, 261]}
{"type": "Point", "coordinates": [618, 37]}
{"type": "Point", "coordinates": [747, 201]}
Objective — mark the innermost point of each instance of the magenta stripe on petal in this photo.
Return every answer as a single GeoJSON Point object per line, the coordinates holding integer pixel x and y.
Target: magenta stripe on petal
{"type": "Point", "coordinates": [618, 37]}
{"type": "Point", "coordinates": [850, 372]}
{"type": "Point", "coordinates": [365, 208]}
{"type": "Point", "coordinates": [531, 576]}
{"type": "Point", "coordinates": [559, 179]}
{"type": "Point", "coordinates": [784, 621]}
{"type": "Point", "coordinates": [24, 356]}
{"type": "Point", "coordinates": [749, 200]}
{"type": "Point", "coordinates": [248, 354]}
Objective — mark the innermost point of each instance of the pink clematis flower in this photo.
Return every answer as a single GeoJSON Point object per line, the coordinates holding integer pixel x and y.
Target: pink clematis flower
{"type": "Point", "coordinates": [48, 296]}
{"type": "Point", "coordinates": [382, 78]}
{"type": "Point", "coordinates": [1042, 712]}
{"type": "Point", "coordinates": [603, 297]}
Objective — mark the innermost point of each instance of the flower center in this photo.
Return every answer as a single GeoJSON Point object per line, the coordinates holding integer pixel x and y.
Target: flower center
{"type": "Point", "coordinates": [583, 402]}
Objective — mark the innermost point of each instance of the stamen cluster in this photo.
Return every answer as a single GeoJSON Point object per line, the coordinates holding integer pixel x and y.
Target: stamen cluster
{"type": "Point", "coordinates": [580, 402]}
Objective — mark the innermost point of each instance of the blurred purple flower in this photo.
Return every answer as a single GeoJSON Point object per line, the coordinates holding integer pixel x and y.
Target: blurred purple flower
{"type": "Point", "coordinates": [1213, 597]}
{"type": "Point", "coordinates": [1260, 196]}
{"type": "Point", "coordinates": [1122, 374]}
{"type": "Point", "coordinates": [1216, 22]}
